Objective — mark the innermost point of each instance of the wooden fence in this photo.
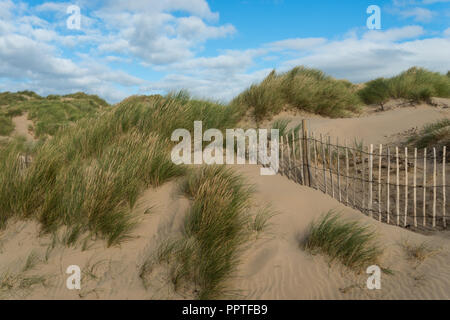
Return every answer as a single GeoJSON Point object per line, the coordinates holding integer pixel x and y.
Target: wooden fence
{"type": "Point", "coordinates": [400, 186]}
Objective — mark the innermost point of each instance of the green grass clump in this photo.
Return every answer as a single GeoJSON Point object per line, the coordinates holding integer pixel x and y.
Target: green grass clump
{"type": "Point", "coordinates": [300, 88]}
{"type": "Point", "coordinates": [216, 228]}
{"type": "Point", "coordinates": [349, 242]}
{"type": "Point", "coordinates": [433, 135]}
{"type": "Point", "coordinates": [375, 92]}
{"type": "Point", "coordinates": [89, 175]}
{"type": "Point", "coordinates": [415, 84]}
{"type": "Point", "coordinates": [51, 113]}
{"type": "Point", "coordinates": [6, 125]}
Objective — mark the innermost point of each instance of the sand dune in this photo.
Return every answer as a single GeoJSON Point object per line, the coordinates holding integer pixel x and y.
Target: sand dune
{"type": "Point", "coordinates": [372, 127]}
{"type": "Point", "coordinates": [277, 268]}
{"type": "Point", "coordinates": [274, 266]}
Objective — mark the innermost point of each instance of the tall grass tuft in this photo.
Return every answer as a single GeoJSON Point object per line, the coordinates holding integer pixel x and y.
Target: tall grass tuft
{"type": "Point", "coordinates": [215, 231]}
{"type": "Point", "coordinates": [300, 88]}
{"type": "Point", "coordinates": [415, 84]}
{"type": "Point", "coordinates": [433, 135]}
{"type": "Point", "coordinates": [349, 242]}
{"type": "Point", "coordinates": [90, 174]}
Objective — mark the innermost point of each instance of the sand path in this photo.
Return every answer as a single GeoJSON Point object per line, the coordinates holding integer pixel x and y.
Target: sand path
{"type": "Point", "coordinates": [21, 127]}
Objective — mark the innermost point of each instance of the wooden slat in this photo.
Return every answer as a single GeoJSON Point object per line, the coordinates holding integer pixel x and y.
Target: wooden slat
{"type": "Point", "coordinates": [306, 172]}
{"type": "Point", "coordinates": [338, 170]}
{"type": "Point", "coordinates": [363, 179]}
{"type": "Point", "coordinates": [380, 157]}
{"type": "Point", "coordinates": [370, 180]}
{"type": "Point", "coordinates": [300, 149]}
{"type": "Point", "coordinates": [347, 167]}
{"type": "Point", "coordinates": [397, 184]}
{"type": "Point", "coordinates": [406, 188]}
{"type": "Point", "coordinates": [444, 200]}
{"type": "Point", "coordinates": [315, 161]}
{"type": "Point", "coordinates": [288, 147]}
{"type": "Point", "coordinates": [355, 174]}
{"type": "Point", "coordinates": [330, 166]}
{"type": "Point", "coordinates": [434, 187]}
{"type": "Point", "coordinates": [415, 188]}
{"type": "Point", "coordinates": [282, 155]}
{"type": "Point", "coordinates": [388, 185]}
{"type": "Point", "coordinates": [424, 210]}
{"type": "Point", "coordinates": [324, 165]}
{"type": "Point", "coordinates": [294, 171]}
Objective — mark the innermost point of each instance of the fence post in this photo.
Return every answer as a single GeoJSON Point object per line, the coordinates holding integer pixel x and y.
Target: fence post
{"type": "Point", "coordinates": [330, 166]}
{"type": "Point", "coordinates": [380, 157]}
{"type": "Point", "coordinates": [302, 163]}
{"type": "Point", "coordinates": [443, 187]}
{"type": "Point", "coordinates": [295, 157]}
{"type": "Point", "coordinates": [346, 172]}
{"type": "Point", "coordinates": [282, 155]}
{"type": "Point", "coordinates": [355, 173]}
{"type": "Point", "coordinates": [424, 212]}
{"type": "Point", "coordinates": [289, 157]}
{"type": "Point", "coordinates": [324, 165]}
{"type": "Point", "coordinates": [363, 174]}
{"type": "Point", "coordinates": [434, 188]}
{"type": "Point", "coordinates": [388, 185]}
{"type": "Point", "coordinates": [338, 169]}
{"type": "Point", "coordinates": [370, 180]}
{"type": "Point", "coordinates": [415, 187]}
{"type": "Point", "coordinates": [406, 186]}
{"type": "Point", "coordinates": [306, 152]}
{"type": "Point", "coordinates": [398, 186]}
{"type": "Point", "coordinates": [315, 161]}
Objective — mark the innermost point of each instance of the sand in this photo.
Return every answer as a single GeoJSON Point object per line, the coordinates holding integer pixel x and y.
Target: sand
{"type": "Point", "coordinates": [373, 127]}
{"type": "Point", "coordinates": [21, 127]}
{"type": "Point", "coordinates": [274, 266]}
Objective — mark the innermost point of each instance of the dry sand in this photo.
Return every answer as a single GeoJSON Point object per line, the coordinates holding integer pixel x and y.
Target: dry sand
{"type": "Point", "coordinates": [21, 127]}
{"type": "Point", "coordinates": [273, 267]}
{"type": "Point", "coordinates": [372, 126]}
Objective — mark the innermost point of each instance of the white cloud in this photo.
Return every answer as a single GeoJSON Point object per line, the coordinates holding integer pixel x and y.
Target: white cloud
{"type": "Point", "coordinates": [363, 59]}
{"type": "Point", "coordinates": [419, 14]}
{"type": "Point", "coordinates": [395, 34]}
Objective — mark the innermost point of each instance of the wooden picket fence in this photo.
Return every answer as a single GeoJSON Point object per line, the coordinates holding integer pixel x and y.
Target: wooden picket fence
{"type": "Point", "coordinates": [400, 186]}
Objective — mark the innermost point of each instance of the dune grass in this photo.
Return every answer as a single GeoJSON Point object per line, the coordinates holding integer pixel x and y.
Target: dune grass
{"type": "Point", "coordinates": [349, 242]}
{"type": "Point", "coordinates": [419, 252]}
{"type": "Point", "coordinates": [6, 125]}
{"type": "Point", "coordinates": [89, 175]}
{"type": "Point", "coordinates": [216, 229]}
{"type": "Point", "coordinates": [300, 88]}
{"type": "Point", "coordinates": [52, 112]}
{"type": "Point", "coordinates": [415, 84]}
{"type": "Point", "coordinates": [433, 135]}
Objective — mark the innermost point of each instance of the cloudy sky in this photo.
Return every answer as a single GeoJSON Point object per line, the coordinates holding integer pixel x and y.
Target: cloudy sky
{"type": "Point", "coordinates": [214, 48]}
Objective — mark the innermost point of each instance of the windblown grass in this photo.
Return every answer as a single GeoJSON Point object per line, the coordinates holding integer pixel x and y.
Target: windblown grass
{"type": "Point", "coordinates": [51, 113]}
{"type": "Point", "coordinates": [434, 135]}
{"type": "Point", "coordinates": [6, 125]}
{"type": "Point", "coordinates": [216, 228]}
{"type": "Point", "coordinates": [419, 252]}
{"type": "Point", "coordinates": [415, 84]}
{"type": "Point", "coordinates": [349, 242]}
{"type": "Point", "coordinates": [89, 175]}
{"type": "Point", "coordinates": [300, 88]}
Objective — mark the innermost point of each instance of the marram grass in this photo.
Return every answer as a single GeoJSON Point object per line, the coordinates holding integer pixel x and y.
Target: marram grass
{"type": "Point", "coordinates": [349, 242]}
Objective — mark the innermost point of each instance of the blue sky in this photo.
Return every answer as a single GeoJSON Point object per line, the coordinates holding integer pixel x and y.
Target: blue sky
{"type": "Point", "coordinates": [214, 48]}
